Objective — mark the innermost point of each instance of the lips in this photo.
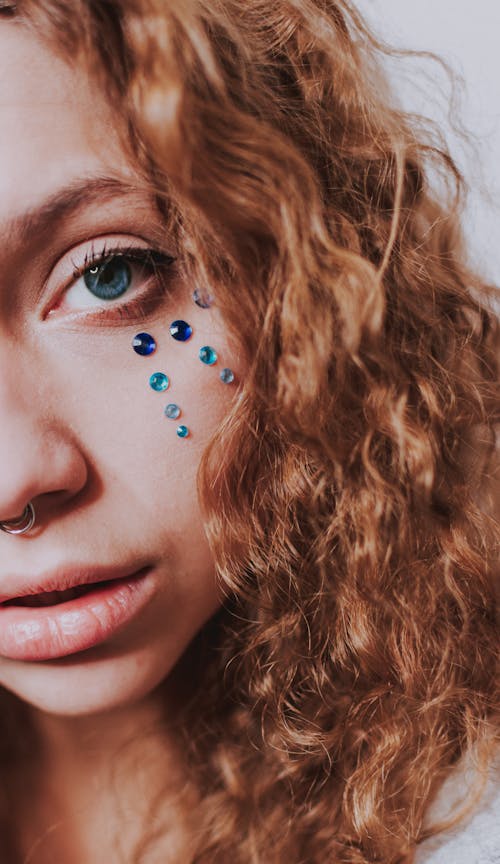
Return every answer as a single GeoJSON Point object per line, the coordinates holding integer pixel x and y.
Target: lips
{"type": "Point", "coordinates": [57, 582]}
{"type": "Point", "coordinates": [72, 610]}
{"type": "Point", "coordinates": [53, 598]}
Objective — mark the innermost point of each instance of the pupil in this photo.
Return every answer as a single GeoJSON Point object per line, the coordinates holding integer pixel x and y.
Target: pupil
{"type": "Point", "coordinates": [110, 280]}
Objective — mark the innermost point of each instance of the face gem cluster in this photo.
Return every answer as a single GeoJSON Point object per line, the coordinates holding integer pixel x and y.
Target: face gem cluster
{"type": "Point", "coordinates": [144, 344]}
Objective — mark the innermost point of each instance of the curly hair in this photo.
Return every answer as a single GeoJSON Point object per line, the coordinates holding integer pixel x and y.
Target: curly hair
{"type": "Point", "coordinates": [348, 496]}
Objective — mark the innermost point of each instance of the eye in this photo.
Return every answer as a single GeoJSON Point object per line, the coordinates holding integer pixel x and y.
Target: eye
{"type": "Point", "coordinates": [111, 279]}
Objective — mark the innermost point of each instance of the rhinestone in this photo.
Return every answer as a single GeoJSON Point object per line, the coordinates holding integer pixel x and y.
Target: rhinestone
{"type": "Point", "coordinates": [227, 376]}
{"type": "Point", "coordinates": [207, 355]}
{"type": "Point", "coordinates": [181, 330]}
{"type": "Point", "coordinates": [159, 381]}
{"type": "Point", "coordinates": [182, 431]}
{"type": "Point", "coordinates": [172, 411]}
{"type": "Point", "coordinates": [143, 344]}
{"type": "Point", "coordinates": [202, 300]}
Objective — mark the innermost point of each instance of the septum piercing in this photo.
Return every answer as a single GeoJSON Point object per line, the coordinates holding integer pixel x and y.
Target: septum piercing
{"type": "Point", "coordinates": [21, 524]}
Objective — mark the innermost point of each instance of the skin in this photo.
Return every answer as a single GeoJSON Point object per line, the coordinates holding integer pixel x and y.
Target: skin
{"type": "Point", "coordinates": [84, 437]}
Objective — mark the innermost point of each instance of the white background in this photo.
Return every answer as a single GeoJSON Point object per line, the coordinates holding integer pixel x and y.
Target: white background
{"type": "Point", "coordinates": [465, 33]}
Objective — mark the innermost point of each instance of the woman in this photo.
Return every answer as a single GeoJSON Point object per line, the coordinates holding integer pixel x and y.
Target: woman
{"type": "Point", "coordinates": [248, 390]}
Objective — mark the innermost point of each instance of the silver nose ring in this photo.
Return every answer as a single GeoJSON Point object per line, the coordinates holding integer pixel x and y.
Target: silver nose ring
{"type": "Point", "coordinates": [22, 524]}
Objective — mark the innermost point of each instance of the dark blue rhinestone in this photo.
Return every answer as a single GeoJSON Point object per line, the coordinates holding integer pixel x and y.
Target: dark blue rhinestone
{"type": "Point", "coordinates": [181, 330]}
{"type": "Point", "coordinates": [143, 344]}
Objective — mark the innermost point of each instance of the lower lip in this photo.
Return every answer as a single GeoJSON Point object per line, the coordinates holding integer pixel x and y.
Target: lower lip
{"type": "Point", "coordinates": [48, 632]}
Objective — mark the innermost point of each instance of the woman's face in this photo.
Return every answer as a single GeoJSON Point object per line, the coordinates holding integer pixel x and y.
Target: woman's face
{"type": "Point", "coordinates": [83, 435]}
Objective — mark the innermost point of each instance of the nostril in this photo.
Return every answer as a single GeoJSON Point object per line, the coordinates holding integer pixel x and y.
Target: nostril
{"type": "Point", "coordinates": [15, 519]}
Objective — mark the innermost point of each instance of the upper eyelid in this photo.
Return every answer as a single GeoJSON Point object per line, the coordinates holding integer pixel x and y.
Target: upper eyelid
{"type": "Point", "coordinates": [69, 265]}
{"type": "Point", "coordinates": [118, 248]}
{"type": "Point", "coordinates": [130, 251]}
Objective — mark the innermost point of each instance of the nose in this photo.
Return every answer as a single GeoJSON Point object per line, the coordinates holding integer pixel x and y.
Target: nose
{"type": "Point", "coordinates": [40, 461]}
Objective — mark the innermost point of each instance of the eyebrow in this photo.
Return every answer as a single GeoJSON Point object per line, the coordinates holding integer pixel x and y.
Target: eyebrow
{"type": "Point", "coordinates": [64, 203]}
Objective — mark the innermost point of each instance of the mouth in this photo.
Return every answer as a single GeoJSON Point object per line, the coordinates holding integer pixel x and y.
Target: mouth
{"type": "Point", "coordinates": [79, 611]}
{"type": "Point", "coordinates": [55, 598]}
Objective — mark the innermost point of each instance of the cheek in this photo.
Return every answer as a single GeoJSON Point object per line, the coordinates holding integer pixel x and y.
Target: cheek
{"type": "Point", "coordinates": [145, 471]}
{"type": "Point", "coordinates": [138, 433]}
{"type": "Point", "coordinates": [110, 391]}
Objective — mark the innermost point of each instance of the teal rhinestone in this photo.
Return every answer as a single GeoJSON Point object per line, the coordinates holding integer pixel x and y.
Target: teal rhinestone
{"type": "Point", "coordinates": [159, 381]}
{"type": "Point", "coordinates": [207, 355]}
{"type": "Point", "coordinates": [182, 431]}
{"type": "Point", "coordinates": [227, 376]}
{"type": "Point", "coordinates": [172, 411]}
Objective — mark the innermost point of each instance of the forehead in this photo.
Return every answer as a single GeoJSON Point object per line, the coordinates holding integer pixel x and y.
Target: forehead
{"type": "Point", "coordinates": [54, 123]}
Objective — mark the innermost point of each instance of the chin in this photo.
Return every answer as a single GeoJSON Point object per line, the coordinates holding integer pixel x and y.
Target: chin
{"type": "Point", "coordinates": [87, 683]}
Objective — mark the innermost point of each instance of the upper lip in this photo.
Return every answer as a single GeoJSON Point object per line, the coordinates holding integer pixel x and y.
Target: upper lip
{"type": "Point", "coordinates": [61, 579]}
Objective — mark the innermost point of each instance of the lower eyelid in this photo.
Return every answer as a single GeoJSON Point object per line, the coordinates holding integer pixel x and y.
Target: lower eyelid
{"type": "Point", "coordinates": [141, 302]}
{"type": "Point", "coordinates": [141, 305]}
{"type": "Point", "coordinates": [138, 306]}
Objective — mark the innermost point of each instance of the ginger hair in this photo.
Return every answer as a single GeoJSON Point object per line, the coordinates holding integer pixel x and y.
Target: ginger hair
{"type": "Point", "coordinates": [349, 494]}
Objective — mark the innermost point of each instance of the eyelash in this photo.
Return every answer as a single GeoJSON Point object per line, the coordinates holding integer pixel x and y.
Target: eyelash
{"type": "Point", "coordinates": [149, 259]}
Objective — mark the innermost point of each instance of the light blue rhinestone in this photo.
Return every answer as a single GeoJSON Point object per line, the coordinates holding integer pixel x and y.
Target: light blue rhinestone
{"type": "Point", "coordinates": [159, 381]}
{"type": "Point", "coordinates": [172, 411]}
{"type": "Point", "coordinates": [227, 376]}
{"type": "Point", "coordinates": [182, 431]}
{"type": "Point", "coordinates": [204, 301]}
{"type": "Point", "coordinates": [143, 344]}
{"type": "Point", "coordinates": [207, 355]}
